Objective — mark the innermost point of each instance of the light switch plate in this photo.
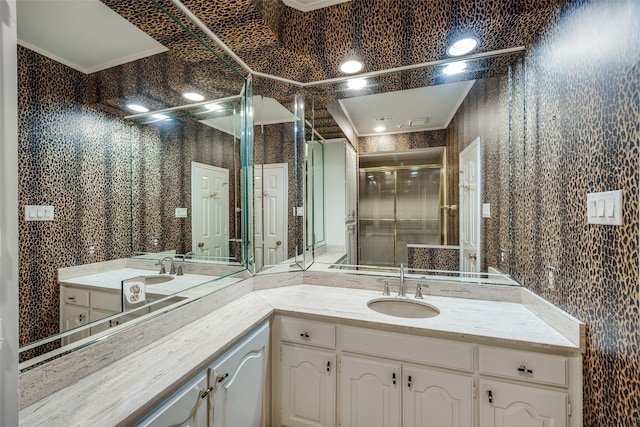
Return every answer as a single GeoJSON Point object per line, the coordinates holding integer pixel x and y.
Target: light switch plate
{"type": "Point", "coordinates": [486, 210]}
{"type": "Point", "coordinates": [605, 208]}
{"type": "Point", "coordinates": [38, 213]}
{"type": "Point", "coordinates": [181, 212]}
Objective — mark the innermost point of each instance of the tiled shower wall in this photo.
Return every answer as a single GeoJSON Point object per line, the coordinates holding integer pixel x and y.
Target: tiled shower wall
{"type": "Point", "coordinates": [77, 158]}
{"type": "Point", "coordinates": [583, 135]}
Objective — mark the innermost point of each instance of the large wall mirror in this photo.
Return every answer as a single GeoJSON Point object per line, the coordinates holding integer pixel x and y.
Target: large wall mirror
{"type": "Point", "coordinates": [419, 168]}
{"type": "Point", "coordinates": [133, 127]}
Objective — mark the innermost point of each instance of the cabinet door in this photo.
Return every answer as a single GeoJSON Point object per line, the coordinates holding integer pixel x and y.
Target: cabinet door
{"type": "Point", "coordinates": [72, 317]}
{"type": "Point", "coordinates": [308, 383]}
{"type": "Point", "coordinates": [436, 399]}
{"type": "Point", "coordinates": [186, 408]}
{"type": "Point", "coordinates": [503, 404]}
{"type": "Point", "coordinates": [238, 379]}
{"type": "Point", "coordinates": [371, 392]}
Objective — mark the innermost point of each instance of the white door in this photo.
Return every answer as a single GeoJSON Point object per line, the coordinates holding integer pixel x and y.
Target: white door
{"type": "Point", "coordinates": [371, 392]}
{"type": "Point", "coordinates": [271, 220]}
{"type": "Point", "coordinates": [239, 380]}
{"type": "Point", "coordinates": [436, 399]}
{"type": "Point", "coordinates": [209, 210]}
{"type": "Point", "coordinates": [470, 197]}
{"type": "Point", "coordinates": [503, 405]}
{"type": "Point", "coordinates": [308, 387]}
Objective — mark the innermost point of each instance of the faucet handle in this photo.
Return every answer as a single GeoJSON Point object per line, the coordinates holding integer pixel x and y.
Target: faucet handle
{"type": "Point", "coordinates": [172, 270]}
{"type": "Point", "coordinates": [385, 290]}
{"type": "Point", "coordinates": [180, 272]}
{"type": "Point", "coordinates": [419, 291]}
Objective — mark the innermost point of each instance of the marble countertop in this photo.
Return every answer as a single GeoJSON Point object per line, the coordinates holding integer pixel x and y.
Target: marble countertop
{"type": "Point", "coordinates": [122, 392]}
{"type": "Point", "coordinates": [184, 285]}
{"type": "Point", "coordinates": [492, 322]}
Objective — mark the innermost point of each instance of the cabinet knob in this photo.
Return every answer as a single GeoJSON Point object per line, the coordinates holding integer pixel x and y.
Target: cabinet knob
{"type": "Point", "coordinates": [81, 318]}
{"type": "Point", "coordinates": [205, 392]}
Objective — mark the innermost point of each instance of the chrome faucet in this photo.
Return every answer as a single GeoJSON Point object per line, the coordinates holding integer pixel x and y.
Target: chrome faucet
{"type": "Point", "coordinates": [164, 270]}
{"type": "Point", "coordinates": [402, 291]}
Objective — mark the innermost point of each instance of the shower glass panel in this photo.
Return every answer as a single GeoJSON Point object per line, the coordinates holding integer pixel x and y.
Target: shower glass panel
{"type": "Point", "coordinates": [398, 206]}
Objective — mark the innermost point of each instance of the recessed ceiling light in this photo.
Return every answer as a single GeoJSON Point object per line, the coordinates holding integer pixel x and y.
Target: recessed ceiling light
{"type": "Point", "coordinates": [462, 46]}
{"type": "Point", "coordinates": [356, 83]}
{"type": "Point", "coordinates": [379, 128]}
{"type": "Point", "coordinates": [454, 68]}
{"type": "Point", "coordinates": [213, 107]}
{"type": "Point", "coordinates": [160, 116]}
{"type": "Point", "coordinates": [351, 66]}
{"type": "Point", "coordinates": [192, 96]}
{"type": "Point", "coordinates": [137, 108]}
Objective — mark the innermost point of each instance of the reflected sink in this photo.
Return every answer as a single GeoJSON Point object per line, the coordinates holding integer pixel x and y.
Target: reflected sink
{"type": "Point", "coordinates": [400, 307]}
{"type": "Point", "coordinates": [157, 279]}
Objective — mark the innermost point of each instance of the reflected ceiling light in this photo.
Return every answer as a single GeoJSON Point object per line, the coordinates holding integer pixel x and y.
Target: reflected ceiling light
{"type": "Point", "coordinates": [213, 107]}
{"type": "Point", "coordinates": [160, 116]}
{"type": "Point", "coordinates": [137, 108]}
{"type": "Point", "coordinates": [454, 68]}
{"type": "Point", "coordinates": [350, 67]}
{"type": "Point", "coordinates": [379, 128]}
{"type": "Point", "coordinates": [192, 96]}
{"type": "Point", "coordinates": [462, 46]}
{"type": "Point", "coordinates": [356, 83]}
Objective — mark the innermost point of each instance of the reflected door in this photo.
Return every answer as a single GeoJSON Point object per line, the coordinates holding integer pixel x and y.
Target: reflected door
{"type": "Point", "coordinates": [271, 221]}
{"type": "Point", "coordinates": [210, 210]}
{"type": "Point", "coordinates": [470, 185]}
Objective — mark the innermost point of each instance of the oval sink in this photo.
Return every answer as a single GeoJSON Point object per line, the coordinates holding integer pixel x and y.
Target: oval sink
{"type": "Point", "coordinates": [157, 279]}
{"type": "Point", "coordinates": [403, 308]}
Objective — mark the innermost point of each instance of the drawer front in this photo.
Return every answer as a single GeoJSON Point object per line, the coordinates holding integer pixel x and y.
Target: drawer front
{"type": "Point", "coordinates": [410, 348]}
{"type": "Point", "coordinates": [75, 296]}
{"type": "Point", "coordinates": [524, 366]}
{"type": "Point", "coordinates": [307, 332]}
{"type": "Point", "coordinates": [106, 301]}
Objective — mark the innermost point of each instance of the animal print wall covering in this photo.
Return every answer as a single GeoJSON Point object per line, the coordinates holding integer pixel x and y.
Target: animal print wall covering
{"type": "Point", "coordinates": [583, 135]}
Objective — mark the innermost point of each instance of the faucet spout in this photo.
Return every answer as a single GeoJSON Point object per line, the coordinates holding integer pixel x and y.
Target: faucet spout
{"type": "Point", "coordinates": [164, 270]}
{"type": "Point", "coordinates": [402, 290]}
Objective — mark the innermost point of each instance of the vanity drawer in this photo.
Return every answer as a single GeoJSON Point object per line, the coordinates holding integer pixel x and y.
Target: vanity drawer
{"type": "Point", "coordinates": [75, 296]}
{"type": "Point", "coordinates": [106, 301]}
{"type": "Point", "coordinates": [524, 366]}
{"type": "Point", "coordinates": [410, 348]}
{"type": "Point", "coordinates": [307, 332]}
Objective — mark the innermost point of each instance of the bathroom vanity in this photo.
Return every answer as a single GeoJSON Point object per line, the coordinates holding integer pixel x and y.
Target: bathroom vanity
{"type": "Point", "coordinates": [481, 361]}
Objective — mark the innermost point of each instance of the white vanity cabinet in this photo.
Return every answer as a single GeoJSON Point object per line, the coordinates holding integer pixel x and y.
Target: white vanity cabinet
{"type": "Point", "coordinates": [391, 379]}
{"type": "Point", "coordinates": [229, 393]}
{"type": "Point", "coordinates": [525, 388]}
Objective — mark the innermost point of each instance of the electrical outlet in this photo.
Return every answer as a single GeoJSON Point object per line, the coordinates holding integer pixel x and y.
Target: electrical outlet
{"type": "Point", "coordinates": [91, 248]}
{"type": "Point", "coordinates": [551, 277]}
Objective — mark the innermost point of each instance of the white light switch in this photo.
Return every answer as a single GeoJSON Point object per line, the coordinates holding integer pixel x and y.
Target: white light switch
{"type": "Point", "coordinates": [605, 208]}
{"type": "Point", "coordinates": [181, 212]}
{"type": "Point", "coordinates": [486, 210]}
{"type": "Point", "coordinates": [38, 213]}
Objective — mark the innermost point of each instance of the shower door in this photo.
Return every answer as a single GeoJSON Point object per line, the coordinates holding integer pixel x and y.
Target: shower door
{"type": "Point", "coordinates": [398, 206]}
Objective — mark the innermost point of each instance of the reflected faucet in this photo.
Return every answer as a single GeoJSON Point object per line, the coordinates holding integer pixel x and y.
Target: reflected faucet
{"type": "Point", "coordinates": [402, 291]}
{"type": "Point", "coordinates": [163, 270]}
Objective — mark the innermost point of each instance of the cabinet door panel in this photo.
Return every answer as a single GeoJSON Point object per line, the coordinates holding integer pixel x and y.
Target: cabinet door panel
{"type": "Point", "coordinates": [370, 393]}
{"type": "Point", "coordinates": [514, 405]}
{"type": "Point", "coordinates": [437, 399]}
{"type": "Point", "coordinates": [238, 381]}
{"type": "Point", "coordinates": [308, 387]}
{"type": "Point", "coordinates": [73, 317]}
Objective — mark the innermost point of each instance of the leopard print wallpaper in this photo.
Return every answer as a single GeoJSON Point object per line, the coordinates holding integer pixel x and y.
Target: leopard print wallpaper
{"type": "Point", "coordinates": [582, 83]}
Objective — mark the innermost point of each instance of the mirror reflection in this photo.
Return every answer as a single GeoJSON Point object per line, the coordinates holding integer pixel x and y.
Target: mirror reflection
{"type": "Point", "coordinates": [122, 152]}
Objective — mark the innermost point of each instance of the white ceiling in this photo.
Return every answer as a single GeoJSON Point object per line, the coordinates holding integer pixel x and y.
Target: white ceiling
{"type": "Point", "coordinates": [309, 5]}
{"type": "Point", "coordinates": [266, 111]}
{"type": "Point", "coordinates": [83, 34]}
{"type": "Point", "coordinates": [412, 110]}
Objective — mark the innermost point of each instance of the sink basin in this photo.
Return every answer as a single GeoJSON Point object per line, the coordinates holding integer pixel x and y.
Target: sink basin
{"type": "Point", "coordinates": [400, 307]}
{"type": "Point", "coordinates": [157, 279]}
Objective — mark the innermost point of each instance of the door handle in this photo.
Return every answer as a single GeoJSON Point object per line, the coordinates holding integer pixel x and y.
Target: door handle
{"type": "Point", "coordinates": [201, 244]}
{"type": "Point", "coordinates": [473, 256]}
{"type": "Point", "coordinates": [279, 242]}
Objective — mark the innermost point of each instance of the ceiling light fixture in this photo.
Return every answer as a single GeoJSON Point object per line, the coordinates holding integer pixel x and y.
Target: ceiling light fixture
{"type": "Point", "coordinates": [454, 68]}
{"type": "Point", "coordinates": [137, 108]}
{"type": "Point", "coordinates": [213, 107]}
{"type": "Point", "coordinates": [192, 96]}
{"type": "Point", "coordinates": [350, 67]}
{"type": "Point", "coordinates": [379, 128]}
{"type": "Point", "coordinates": [160, 116]}
{"type": "Point", "coordinates": [462, 46]}
{"type": "Point", "coordinates": [356, 83]}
